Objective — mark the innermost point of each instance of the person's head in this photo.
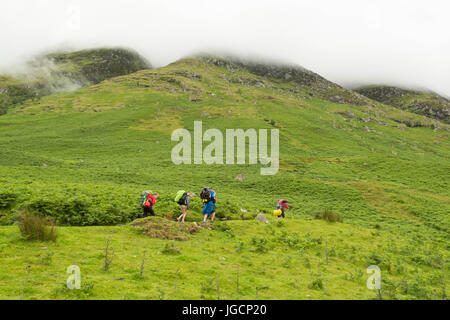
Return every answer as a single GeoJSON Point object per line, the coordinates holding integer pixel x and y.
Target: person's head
{"type": "Point", "coordinates": [191, 194]}
{"type": "Point", "coordinates": [156, 195]}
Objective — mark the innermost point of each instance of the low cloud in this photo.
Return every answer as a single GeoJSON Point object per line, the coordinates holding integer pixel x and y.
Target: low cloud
{"type": "Point", "coordinates": [41, 72]}
{"type": "Point", "coordinates": [350, 42]}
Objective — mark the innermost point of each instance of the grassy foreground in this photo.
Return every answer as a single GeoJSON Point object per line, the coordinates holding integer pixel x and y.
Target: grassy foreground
{"type": "Point", "coordinates": [232, 260]}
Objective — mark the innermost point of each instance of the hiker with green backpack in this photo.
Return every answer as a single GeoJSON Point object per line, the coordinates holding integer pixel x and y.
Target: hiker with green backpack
{"type": "Point", "coordinates": [183, 198]}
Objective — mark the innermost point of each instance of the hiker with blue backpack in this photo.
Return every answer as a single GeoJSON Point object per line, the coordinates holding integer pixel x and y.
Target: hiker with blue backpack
{"type": "Point", "coordinates": [183, 198]}
{"type": "Point", "coordinates": [208, 196]}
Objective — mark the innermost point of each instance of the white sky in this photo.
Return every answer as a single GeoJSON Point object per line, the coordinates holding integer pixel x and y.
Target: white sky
{"type": "Point", "coordinates": [346, 41]}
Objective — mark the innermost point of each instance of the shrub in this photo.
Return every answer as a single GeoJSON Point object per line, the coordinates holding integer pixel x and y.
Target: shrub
{"type": "Point", "coordinates": [316, 284]}
{"type": "Point", "coordinates": [329, 216]}
{"type": "Point", "coordinates": [260, 244]}
{"type": "Point", "coordinates": [34, 227]}
{"type": "Point", "coordinates": [170, 249]}
{"type": "Point", "coordinates": [157, 227]}
{"type": "Point", "coordinates": [225, 228]}
{"type": "Point", "coordinates": [7, 199]}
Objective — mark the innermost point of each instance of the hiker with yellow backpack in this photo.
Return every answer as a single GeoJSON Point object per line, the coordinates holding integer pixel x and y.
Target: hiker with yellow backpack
{"type": "Point", "coordinates": [281, 205]}
{"type": "Point", "coordinates": [183, 198]}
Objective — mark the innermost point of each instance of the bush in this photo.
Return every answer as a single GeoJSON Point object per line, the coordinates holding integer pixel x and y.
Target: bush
{"type": "Point", "coordinates": [316, 284]}
{"type": "Point", "coordinates": [260, 244]}
{"type": "Point", "coordinates": [7, 199]}
{"type": "Point", "coordinates": [157, 227]}
{"type": "Point", "coordinates": [329, 216]}
{"type": "Point", "coordinates": [34, 227]}
{"type": "Point", "coordinates": [170, 249]}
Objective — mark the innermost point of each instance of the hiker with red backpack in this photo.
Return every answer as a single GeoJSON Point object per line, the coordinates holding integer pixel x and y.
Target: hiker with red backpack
{"type": "Point", "coordinates": [148, 199]}
{"type": "Point", "coordinates": [282, 205]}
{"type": "Point", "coordinates": [183, 198]}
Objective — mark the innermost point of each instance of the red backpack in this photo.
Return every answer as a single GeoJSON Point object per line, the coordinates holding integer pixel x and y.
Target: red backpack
{"type": "Point", "coordinates": [149, 201]}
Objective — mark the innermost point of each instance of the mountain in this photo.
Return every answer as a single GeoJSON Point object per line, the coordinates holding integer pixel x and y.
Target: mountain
{"type": "Point", "coordinates": [83, 157]}
{"type": "Point", "coordinates": [300, 77]}
{"type": "Point", "coordinates": [66, 71]}
{"type": "Point", "coordinates": [429, 104]}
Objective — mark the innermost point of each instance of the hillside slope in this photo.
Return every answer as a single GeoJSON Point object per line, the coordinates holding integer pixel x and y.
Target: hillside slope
{"type": "Point", "coordinates": [425, 103]}
{"type": "Point", "coordinates": [84, 156]}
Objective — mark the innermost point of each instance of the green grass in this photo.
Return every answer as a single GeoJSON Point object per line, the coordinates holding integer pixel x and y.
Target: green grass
{"type": "Point", "coordinates": [83, 157]}
{"type": "Point", "coordinates": [292, 258]}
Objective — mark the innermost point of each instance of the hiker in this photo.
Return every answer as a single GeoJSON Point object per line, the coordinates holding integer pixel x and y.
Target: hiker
{"type": "Point", "coordinates": [281, 205]}
{"type": "Point", "coordinates": [208, 196]}
{"type": "Point", "coordinates": [150, 200]}
{"type": "Point", "coordinates": [183, 198]}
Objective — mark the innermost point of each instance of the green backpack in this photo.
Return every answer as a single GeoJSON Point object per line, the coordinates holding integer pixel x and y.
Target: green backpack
{"type": "Point", "coordinates": [179, 195]}
{"type": "Point", "coordinates": [144, 195]}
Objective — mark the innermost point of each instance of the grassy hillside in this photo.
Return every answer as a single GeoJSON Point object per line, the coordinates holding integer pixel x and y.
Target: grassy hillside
{"type": "Point", "coordinates": [425, 103]}
{"type": "Point", "coordinates": [84, 156]}
{"type": "Point", "coordinates": [66, 71]}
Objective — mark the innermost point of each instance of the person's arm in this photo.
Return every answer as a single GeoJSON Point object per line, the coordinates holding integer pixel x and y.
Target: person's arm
{"type": "Point", "coordinates": [188, 199]}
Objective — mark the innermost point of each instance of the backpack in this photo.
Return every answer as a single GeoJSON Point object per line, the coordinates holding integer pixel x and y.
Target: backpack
{"type": "Point", "coordinates": [144, 196]}
{"type": "Point", "coordinates": [180, 196]}
{"type": "Point", "coordinates": [149, 201]}
{"type": "Point", "coordinates": [205, 194]}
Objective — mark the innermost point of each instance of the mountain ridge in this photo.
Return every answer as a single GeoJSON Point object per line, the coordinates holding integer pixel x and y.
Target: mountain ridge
{"type": "Point", "coordinates": [422, 102]}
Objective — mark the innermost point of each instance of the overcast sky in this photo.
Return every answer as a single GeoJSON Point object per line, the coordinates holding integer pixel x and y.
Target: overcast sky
{"type": "Point", "coordinates": [346, 41]}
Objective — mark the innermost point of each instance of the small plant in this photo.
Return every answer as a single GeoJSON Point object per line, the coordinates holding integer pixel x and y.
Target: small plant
{"type": "Point", "coordinates": [171, 250]}
{"type": "Point", "coordinates": [47, 258]}
{"type": "Point", "coordinates": [258, 289]}
{"type": "Point", "coordinates": [306, 262]}
{"type": "Point", "coordinates": [316, 284]}
{"type": "Point", "coordinates": [207, 286]}
{"type": "Point", "coordinates": [87, 287]}
{"type": "Point", "coordinates": [141, 270]}
{"type": "Point", "coordinates": [218, 289]}
{"type": "Point", "coordinates": [291, 240]}
{"type": "Point", "coordinates": [260, 244]}
{"type": "Point", "coordinates": [223, 227]}
{"type": "Point", "coordinates": [329, 216]}
{"type": "Point", "coordinates": [109, 256]}
{"type": "Point", "coordinates": [162, 293]}
{"type": "Point", "coordinates": [34, 227]}
{"type": "Point", "coordinates": [237, 279]}
{"type": "Point", "coordinates": [287, 262]}
{"type": "Point", "coordinates": [355, 277]}
{"type": "Point", "coordinates": [25, 283]}
{"type": "Point", "coordinates": [240, 247]}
